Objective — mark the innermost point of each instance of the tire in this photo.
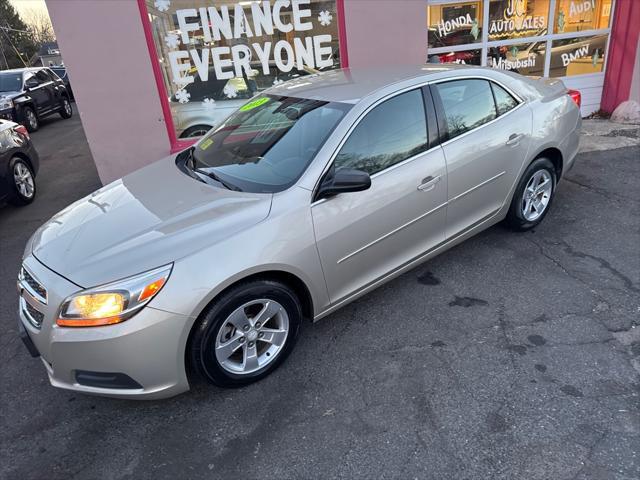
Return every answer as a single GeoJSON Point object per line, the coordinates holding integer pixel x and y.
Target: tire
{"type": "Point", "coordinates": [30, 119]}
{"type": "Point", "coordinates": [195, 131]}
{"type": "Point", "coordinates": [228, 345]}
{"type": "Point", "coordinates": [533, 196]}
{"type": "Point", "coordinates": [66, 111]}
{"type": "Point", "coordinates": [22, 182]}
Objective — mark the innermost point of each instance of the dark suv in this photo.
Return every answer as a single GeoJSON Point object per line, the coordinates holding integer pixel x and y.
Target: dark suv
{"type": "Point", "coordinates": [28, 94]}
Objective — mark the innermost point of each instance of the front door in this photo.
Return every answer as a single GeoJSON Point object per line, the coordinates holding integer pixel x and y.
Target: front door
{"type": "Point", "coordinates": [489, 136]}
{"type": "Point", "coordinates": [362, 236]}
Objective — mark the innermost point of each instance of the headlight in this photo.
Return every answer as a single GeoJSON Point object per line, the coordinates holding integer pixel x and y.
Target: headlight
{"type": "Point", "coordinates": [5, 102]}
{"type": "Point", "coordinates": [114, 302]}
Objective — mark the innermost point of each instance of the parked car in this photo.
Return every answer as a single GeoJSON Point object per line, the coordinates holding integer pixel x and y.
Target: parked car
{"type": "Point", "coordinates": [197, 116]}
{"type": "Point", "coordinates": [310, 195]}
{"type": "Point", "coordinates": [63, 74]}
{"type": "Point", "coordinates": [19, 163]}
{"type": "Point", "coordinates": [29, 94]}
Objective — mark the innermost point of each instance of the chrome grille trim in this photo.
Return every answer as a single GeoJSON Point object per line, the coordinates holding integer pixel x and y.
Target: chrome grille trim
{"type": "Point", "coordinates": [29, 282]}
{"type": "Point", "coordinates": [32, 314]}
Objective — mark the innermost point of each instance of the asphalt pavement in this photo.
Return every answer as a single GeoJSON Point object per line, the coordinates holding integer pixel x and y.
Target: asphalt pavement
{"type": "Point", "coordinates": [511, 356]}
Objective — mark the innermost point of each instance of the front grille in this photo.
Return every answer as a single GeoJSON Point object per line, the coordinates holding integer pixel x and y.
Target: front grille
{"type": "Point", "coordinates": [34, 316]}
{"type": "Point", "coordinates": [33, 286]}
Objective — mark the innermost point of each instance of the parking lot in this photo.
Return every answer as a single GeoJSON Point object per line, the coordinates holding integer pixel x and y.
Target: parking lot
{"type": "Point", "coordinates": [510, 356]}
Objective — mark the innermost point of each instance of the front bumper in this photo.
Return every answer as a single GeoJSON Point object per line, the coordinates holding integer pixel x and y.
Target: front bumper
{"type": "Point", "coordinates": [8, 114]}
{"type": "Point", "coordinates": [147, 349]}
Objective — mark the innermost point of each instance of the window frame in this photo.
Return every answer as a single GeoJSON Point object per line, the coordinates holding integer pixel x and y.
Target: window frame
{"type": "Point", "coordinates": [484, 43]}
{"type": "Point", "coordinates": [177, 144]}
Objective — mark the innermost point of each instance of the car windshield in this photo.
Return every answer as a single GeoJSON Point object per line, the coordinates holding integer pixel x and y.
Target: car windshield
{"type": "Point", "coordinates": [268, 143]}
{"type": "Point", "coordinates": [10, 82]}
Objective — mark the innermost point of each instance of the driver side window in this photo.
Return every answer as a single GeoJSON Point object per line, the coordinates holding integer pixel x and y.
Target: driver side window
{"type": "Point", "coordinates": [392, 132]}
{"type": "Point", "coordinates": [30, 80]}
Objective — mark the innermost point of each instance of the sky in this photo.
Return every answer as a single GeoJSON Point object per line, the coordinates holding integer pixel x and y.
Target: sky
{"type": "Point", "coordinates": [22, 6]}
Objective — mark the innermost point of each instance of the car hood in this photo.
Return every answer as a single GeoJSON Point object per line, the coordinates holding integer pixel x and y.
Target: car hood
{"type": "Point", "coordinates": [149, 218]}
{"type": "Point", "coordinates": [10, 94]}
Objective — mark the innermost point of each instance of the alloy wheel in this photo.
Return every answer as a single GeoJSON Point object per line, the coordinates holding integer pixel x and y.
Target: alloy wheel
{"type": "Point", "coordinates": [252, 336]}
{"type": "Point", "coordinates": [32, 119]}
{"type": "Point", "coordinates": [67, 107]}
{"type": "Point", "coordinates": [23, 180]}
{"type": "Point", "coordinates": [537, 195]}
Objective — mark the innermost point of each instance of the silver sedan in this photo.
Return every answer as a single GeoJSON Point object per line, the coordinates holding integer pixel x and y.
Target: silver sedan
{"type": "Point", "coordinates": [204, 264]}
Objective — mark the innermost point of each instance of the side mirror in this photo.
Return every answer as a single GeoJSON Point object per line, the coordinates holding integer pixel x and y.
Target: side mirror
{"type": "Point", "coordinates": [343, 180]}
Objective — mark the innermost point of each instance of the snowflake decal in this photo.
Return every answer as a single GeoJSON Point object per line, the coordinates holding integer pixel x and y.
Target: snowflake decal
{"type": "Point", "coordinates": [162, 5]}
{"type": "Point", "coordinates": [325, 18]}
{"type": "Point", "coordinates": [230, 91]}
{"type": "Point", "coordinates": [209, 103]}
{"type": "Point", "coordinates": [277, 81]}
{"type": "Point", "coordinates": [183, 96]}
{"type": "Point", "coordinates": [172, 40]}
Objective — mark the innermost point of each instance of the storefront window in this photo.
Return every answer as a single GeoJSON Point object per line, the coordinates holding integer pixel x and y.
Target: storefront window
{"type": "Point", "coordinates": [580, 15]}
{"type": "Point", "coordinates": [454, 24]}
{"type": "Point", "coordinates": [523, 58]}
{"type": "Point", "coordinates": [577, 56]}
{"type": "Point", "coordinates": [517, 18]}
{"type": "Point", "coordinates": [465, 57]}
{"type": "Point", "coordinates": [215, 54]}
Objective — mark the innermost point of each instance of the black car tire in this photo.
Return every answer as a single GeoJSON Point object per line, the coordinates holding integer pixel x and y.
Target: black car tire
{"type": "Point", "coordinates": [195, 131]}
{"type": "Point", "coordinates": [30, 119]}
{"type": "Point", "coordinates": [16, 196]}
{"type": "Point", "coordinates": [66, 111]}
{"type": "Point", "coordinates": [516, 219]}
{"type": "Point", "coordinates": [201, 354]}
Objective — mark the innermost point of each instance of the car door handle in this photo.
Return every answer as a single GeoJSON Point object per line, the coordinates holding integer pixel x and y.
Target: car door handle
{"type": "Point", "coordinates": [514, 139]}
{"type": "Point", "coordinates": [428, 183]}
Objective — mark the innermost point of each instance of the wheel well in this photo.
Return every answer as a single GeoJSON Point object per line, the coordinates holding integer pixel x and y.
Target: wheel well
{"type": "Point", "coordinates": [289, 279]}
{"type": "Point", "coordinates": [22, 156]}
{"type": "Point", "coordinates": [555, 156]}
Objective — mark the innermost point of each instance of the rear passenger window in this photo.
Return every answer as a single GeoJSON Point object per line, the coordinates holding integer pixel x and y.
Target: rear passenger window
{"type": "Point", "coordinates": [467, 104]}
{"type": "Point", "coordinates": [390, 133]}
{"type": "Point", "coordinates": [504, 100]}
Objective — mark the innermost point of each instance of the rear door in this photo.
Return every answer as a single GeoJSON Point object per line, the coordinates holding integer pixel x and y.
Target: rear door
{"type": "Point", "coordinates": [362, 236]}
{"type": "Point", "coordinates": [488, 131]}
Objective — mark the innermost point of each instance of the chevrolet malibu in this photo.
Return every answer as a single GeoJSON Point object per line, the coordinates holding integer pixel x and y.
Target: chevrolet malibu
{"type": "Point", "coordinates": [204, 264]}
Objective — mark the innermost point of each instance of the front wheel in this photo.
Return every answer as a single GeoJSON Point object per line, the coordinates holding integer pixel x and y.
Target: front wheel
{"type": "Point", "coordinates": [30, 119]}
{"type": "Point", "coordinates": [65, 109]}
{"type": "Point", "coordinates": [533, 195]}
{"type": "Point", "coordinates": [245, 334]}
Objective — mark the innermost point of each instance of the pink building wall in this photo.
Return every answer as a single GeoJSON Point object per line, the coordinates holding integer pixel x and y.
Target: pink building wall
{"type": "Point", "coordinates": [386, 32]}
{"type": "Point", "coordinates": [105, 51]}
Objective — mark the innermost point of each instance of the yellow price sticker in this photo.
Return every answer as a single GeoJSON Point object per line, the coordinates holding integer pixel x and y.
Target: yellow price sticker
{"type": "Point", "coordinates": [206, 143]}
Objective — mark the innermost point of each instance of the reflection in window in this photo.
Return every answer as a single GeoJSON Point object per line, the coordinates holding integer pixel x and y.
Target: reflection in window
{"type": "Point", "coordinates": [504, 100]}
{"type": "Point", "coordinates": [464, 57]}
{"type": "Point", "coordinates": [517, 18]}
{"type": "Point", "coordinates": [390, 133]}
{"type": "Point", "coordinates": [523, 58]}
{"type": "Point", "coordinates": [579, 15]}
{"type": "Point", "coordinates": [467, 104]}
{"type": "Point", "coordinates": [216, 54]}
{"type": "Point", "coordinates": [577, 56]}
{"type": "Point", "coordinates": [454, 24]}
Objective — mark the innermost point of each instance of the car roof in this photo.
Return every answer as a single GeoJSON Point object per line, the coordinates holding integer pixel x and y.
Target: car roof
{"type": "Point", "coordinates": [350, 85]}
{"type": "Point", "coordinates": [20, 70]}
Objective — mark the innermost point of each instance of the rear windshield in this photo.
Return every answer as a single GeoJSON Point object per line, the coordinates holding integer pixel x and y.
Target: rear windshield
{"type": "Point", "coordinates": [10, 82]}
{"type": "Point", "coordinates": [269, 142]}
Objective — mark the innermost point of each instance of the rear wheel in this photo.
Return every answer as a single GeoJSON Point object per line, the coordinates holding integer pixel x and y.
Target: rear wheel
{"type": "Point", "coordinates": [533, 196]}
{"type": "Point", "coordinates": [245, 334]}
{"type": "Point", "coordinates": [65, 110]}
{"type": "Point", "coordinates": [30, 119]}
{"type": "Point", "coordinates": [23, 187]}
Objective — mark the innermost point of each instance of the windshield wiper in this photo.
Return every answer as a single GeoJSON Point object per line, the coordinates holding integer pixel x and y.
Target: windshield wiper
{"type": "Point", "coordinates": [191, 158]}
{"type": "Point", "coordinates": [215, 177]}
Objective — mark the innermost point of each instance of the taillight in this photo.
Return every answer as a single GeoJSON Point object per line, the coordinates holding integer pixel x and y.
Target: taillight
{"type": "Point", "coordinates": [576, 96]}
{"type": "Point", "coordinates": [22, 130]}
